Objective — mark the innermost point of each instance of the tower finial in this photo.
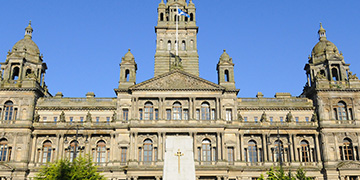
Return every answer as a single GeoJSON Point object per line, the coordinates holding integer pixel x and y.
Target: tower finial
{"type": "Point", "coordinates": [322, 33]}
{"type": "Point", "coordinates": [28, 31]}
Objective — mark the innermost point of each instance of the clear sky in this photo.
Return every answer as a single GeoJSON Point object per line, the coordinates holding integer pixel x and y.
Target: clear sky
{"type": "Point", "coordinates": [83, 40]}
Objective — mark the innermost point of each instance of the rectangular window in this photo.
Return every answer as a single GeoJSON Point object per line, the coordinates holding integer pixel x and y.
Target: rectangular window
{"type": "Point", "coordinates": [97, 120]}
{"type": "Point", "coordinates": [55, 119]}
{"type": "Point", "coordinates": [15, 113]}
{"type": "Point", "coordinates": [230, 152]}
{"type": "Point", "coordinates": [256, 119]}
{"type": "Point", "coordinates": [81, 119]}
{"type": "Point", "coordinates": [155, 154]}
{"type": "Point", "coordinates": [297, 119]}
{"type": "Point", "coordinates": [307, 119]}
{"type": "Point", "coordinates": [271, 120]}
{"type": "Point", "coordinates": [156, 114]}
{"type": "Point", "coordinates": [199, 154]}
{"type": "Point", "coordinates": [71, 120]}
{"type": "Point", "coordinates": [123, 155]}
{"type": "Point", "coordinates": [213, 114]}
{"type": "Point", "coordinates": [139, 154]}
{"type": "Point", "coordinates": [281, 120]}
{"type": "Point", "coordinates": [125, 114]}
{"type": "Point", "coordinates": [140, 114]}
{"type": "Point", "coordinates": [168, 114]}
{"type": "Point", "coordinates": [186, 114]}
{"type": "Point", "coordinates": [245, 119]}
{"type": "Point", "coordinates": [108, 120]}
{"type": "Point", "coordinates": [197, 114]}
{"type": "Point", "coordinates": [44, 119]}
{"type": "Point", "coordinates": [228, 115]}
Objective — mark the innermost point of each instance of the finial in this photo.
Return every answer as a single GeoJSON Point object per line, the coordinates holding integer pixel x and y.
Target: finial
{"type": "Point", "coordinates": [30, 23]}
{"type": "Point", "coordinates": [224, 50]}
{"type": "Point", "coordinates": [28, 31]}
{"type": "Point", "coordinates": [322, 33]}
{"type": "Point", "coordinates": [129, 49]}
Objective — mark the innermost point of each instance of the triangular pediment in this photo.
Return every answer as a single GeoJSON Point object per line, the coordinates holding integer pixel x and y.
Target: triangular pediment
{"type": "Point", "coordinates": [349, 165]}
{"type": "Point", "coordinates": [177, 80]}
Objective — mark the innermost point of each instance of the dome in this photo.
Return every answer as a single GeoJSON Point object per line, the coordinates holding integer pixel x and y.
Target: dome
{"type": "Point", "coordinates": [224, 56]}
{"type": "Point", "coordinates": [28, 45]}
{"type": "Point", "coordinates": [322, 46]}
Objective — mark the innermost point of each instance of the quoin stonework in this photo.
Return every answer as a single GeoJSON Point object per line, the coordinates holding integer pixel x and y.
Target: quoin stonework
{"type": "Point", "coordinates": [233, 138]}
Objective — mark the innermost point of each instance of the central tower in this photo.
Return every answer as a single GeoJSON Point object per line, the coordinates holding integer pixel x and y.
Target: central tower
{"type": "Point", "coordinates": [166, 37]}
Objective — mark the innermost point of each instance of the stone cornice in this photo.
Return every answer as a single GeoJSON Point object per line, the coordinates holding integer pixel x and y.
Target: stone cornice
{"type": "Point", "coordinates": [81, 108]}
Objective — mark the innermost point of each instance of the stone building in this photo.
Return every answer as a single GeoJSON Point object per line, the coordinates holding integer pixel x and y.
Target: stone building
{"type": "Point", "coordinates": [234, 138]}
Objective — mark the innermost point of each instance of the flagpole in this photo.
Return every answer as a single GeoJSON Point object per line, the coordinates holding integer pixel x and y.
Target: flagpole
{"type": "Point", "coordinates": [177, 29]}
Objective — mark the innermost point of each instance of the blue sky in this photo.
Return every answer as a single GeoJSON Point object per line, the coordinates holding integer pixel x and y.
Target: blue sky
{"type": "Point", "coordinates": [269, 41]}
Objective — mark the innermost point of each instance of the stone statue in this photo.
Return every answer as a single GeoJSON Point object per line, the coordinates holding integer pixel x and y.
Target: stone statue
{"type": "Point", "coordinates": [263, 117]}
{"type": "Point", "coordinates": [36, 117]}
{"type": "Point", "coordinates": [289, 117]}
{"type": "Point", "coordinates": [352, 76]}
{"type": "Point", "coordinates": [314, 117]}
{"type": "Point", "coordinates": [88, 117]}
{"type": "Point", "coordinates": [31, 75]}
{"type": "Point", "coordinates": [113, 118]}
{"type": "Point", "coordinates": [62, 117]}
{"type": "Point", "coordinates": [320, 76]}
{"type": "Point", "coordinates": [240, 118]}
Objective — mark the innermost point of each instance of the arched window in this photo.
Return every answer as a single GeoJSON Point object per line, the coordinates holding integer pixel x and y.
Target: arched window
{"type": "Point", "coordinates": [46, 149]}
{"type": "Point", "coordinates": [73, 149]}
{"type": "Point", "coordinates": [252, 148]}
{"type": "Point", "coordinates": [192, 44]}
{"type": "Point", "coordinates": [148, 151]}
{"type": "Point", "coordinates": [205, 111]}
{"type": "Point", "coordinates": [206, 150]}
{"type": "Point", "coordinates": [148, 111]}
{"type": "Point", "coordinates": [183, 45]}
{"type": "Point", "coordinates": [278, 153]}
{"type": "Point", "coordinates": [191, 17]}
{"type": "Point", "coordinates": [305, 151]}
{"type": "Point", "coordinates": [161, 16]}
{"type": "Point", "coordinates": [127, 75]}
{"type": "Point", "coordinates": [177, 110]}
{"type": "Point", "coordinates": [9, 111]}
{"type": "Point", "coordinates": [5, 151]}
{"type": "Point", "coordinates": [161, 43]}
{"type": "Point", "coordinates": [334, 73]}
{"type": "Point", "coordinates": [15, 74]}
{"type": "Point", "coordinates": [347, 150]}
{"type": "Point", "coordinates": [341, 111]}
{"type": "Point", "coordinates": [28, 71]}
{"type": "Point", "coordinates": [226, 74]}
{"type": "Point", "coordinates": [101, 152]}
{"type": "Point", "coordinates": [169, 45]}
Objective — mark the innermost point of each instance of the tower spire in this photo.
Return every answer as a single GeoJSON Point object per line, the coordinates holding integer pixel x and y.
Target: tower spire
{"type": "Point", "coordinates": [322, 33]}
{"type": "Point", "coordinates": [28, 31]}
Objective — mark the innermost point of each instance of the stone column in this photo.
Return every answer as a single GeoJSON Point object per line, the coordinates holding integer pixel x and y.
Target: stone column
{"type": "Point", "coordinates": [12, 157]}
{"type": "Point", "coordinates": [159, 146]}
{"type": "Point", "coordinates": [190, 116]}
{"type": "Point", "coordinates": [112, 147]}
{"type": "Point", "coordinates": [291, 148]}
{"type": "Point", "coordinates": [56, 153]}
{"type": "Point", "coordinates": [242, 147]}
{"type": "Point", "coordinates": [195, 147]}
{"type": "Point", "coordinates": [132, 147]}
{"type": "Point", "coordinates": [318, 148]}
{"type": "Point", "coordinates": [163, 144]}
{"type": "Point", "coordinates": [223, 145]}
{"type": "Point", "coordinates": [132, 113]}
{"type": "Point", "coordinates": [237, 149]}
{"type": "Point", "coordinates": [217, 108]}
{"type": "Point", "coordinates": [218, 146]}
{"type": "Point", "coordinates": [33, 152]}
{"type": "Point", "coordinates": [265, 152]}
{"type": "Point", "coordinates": [136, 147]}
{"type": "Point", "coordinates": [160, 109]}
{"type": "Point", "coordinates": [193, 108]}
{"type": "Point", "coordinates": [137, 109]}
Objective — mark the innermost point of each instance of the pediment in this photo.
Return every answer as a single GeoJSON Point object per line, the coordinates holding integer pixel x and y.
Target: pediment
{"type": "Point", "coordinates": [349, 165]}
{"type": "Point", "coordinates": [177, 80]}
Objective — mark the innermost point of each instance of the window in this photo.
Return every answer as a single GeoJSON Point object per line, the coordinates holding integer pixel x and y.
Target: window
{"type": "Point", "coordinates": [55, 120]}
{"type": "Point", "coordinates": [97, 120]}
{"type": "Point", "coordinates": [156, 114]}
{"type": "Point", "coordinates": [183, 45]}
{"type": "Point", "coordinates": [228, 115]}
{"type": "Point", "coordinates": [252, 148]}
{"type": "Point", "coordinates": [169, 45]}
{"type": "Point", "coordinates": [44, 119]}
{"type": "Point", "coordinates": [177, 111]}
{"type": "Point", "coordinates": [148, 151]}
{"type": "Point", "coordinates": [71, 120]}
{"type": "Point", "coordinates": [123, 155]}
{"type": "Point", "coordinates": [148, 113]}
{"type": "Point", "coordinates": [168, 114]}
{"type": "Point", "coordinates": [197, 114]}
{"type": "Point", "coordinates": [108, 120]}
{"type": "Point", "coordinates": [305, 151]}
{"type": "Point", "coordinates": [205, 111]}
{"type": "Point", "coordinates": [206, 150]}
{"type": "Point", "coordinates": [278, 151]}
{"type": "Point", "coordinates": [81, 119]}
{"type": "Point", "coordinates": [307, 119]}
{"type": "Point", "coordinates": [191, 17]}
{"type": "Point", "coordinates": [230, 152]}
{"type": "Point", "coordinates": [125, 114]}
{"type": "Point", "coordinates": [161, 16]}
{"type": "Point", "coordinates": [348, 153]}
{"type": "Point", "coordinates": [140, 114]}
{"type": "Point", "coordinates": [297, 119]}
{"type": "Point", "coordinates": [9, 110]}
{"type": "Point", "coordinates": [5, 151]}
{"type": "Point", "coordinates": [73, 150]}
{"type": "Point", "coordinates": [15, 74]}
{"type": "Point", "coordinates": [47, 149]}
{"type": "Point", "coordinates": [100, 152]}
{"type": "Point", "coordinates": [226, 74]}
{"type": "Point", "coordinates": [186, 114]}
{"type": "Point", "coordinates": [213, 114]}
{"type": "Point", "coordinates": [281, 120]}
{"type": "Point", "coordinates": [127, 75]}
{"type": "Point", "coordinates": [271, 120]}
{"type": "Point", "coordinates": [245, 119]}
{"type": "Point", "coordinates": [341, 111]}
{"type": "Point", "coordinates": [256, 119]}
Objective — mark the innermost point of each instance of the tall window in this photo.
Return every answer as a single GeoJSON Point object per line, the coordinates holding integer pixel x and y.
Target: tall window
{"type": "Point", "coordinates": [348, 153]}
{"type": "Point", "coordinates": [230, 152]}
{"type": "Point", "coordinates": [278, 152]}
{"type": "Point", "coordinates": [169, 45]}
{"type": "Point", "coordinates": [123, 155]}
{"type": "Point", "coordinates": [148, 113]}
{"type": "Point", "coordinates": [5, 151]}
{"type": "Point", "coordinates": [183, 45]}
{"type": "Point", "coordinates": [206, 150]}
{"type": "Point", "coordinates": [252, 148]}
{"type": "Point", "coordinates": [148, 151]}
{"type": "Point", "coordinates": [9, 110]}
{"type": "Point", "coordinates": [125, 114]}
{"type": "Point", "coordinates": [205, 111]}
{"type": "Point", "coordinates": [213, 114]}
{"type": "Point", "coordinates": [305, 151]}
{"type": "Point", "coordinates": [228, 115]}
{"type": "Point", "coordinates": [101, 152]}
{"type": "Point", "coordinates": [340, 111]}
{"type": "Point", "coordinates": [186, 114]}
{"type": "Point", "coordinates": [168, 114]}
{"type": "Point", "coordinates": [47, 149]}
{"type": "Point", "coordinates": [177, 111]}
{"type": "Point", "coordinates": [73, 149]}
